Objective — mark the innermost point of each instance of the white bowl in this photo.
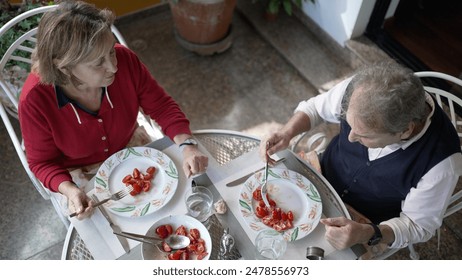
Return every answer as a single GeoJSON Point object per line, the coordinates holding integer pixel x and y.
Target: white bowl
{"type": "Point", "coordinates": [151, 252]}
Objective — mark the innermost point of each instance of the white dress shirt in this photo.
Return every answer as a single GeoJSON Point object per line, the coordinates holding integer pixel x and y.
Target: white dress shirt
{"type": "Point", "coordinates": [424, 206]}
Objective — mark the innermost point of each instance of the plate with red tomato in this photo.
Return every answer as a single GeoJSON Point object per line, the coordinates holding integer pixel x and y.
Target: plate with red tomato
{"type": "Point", "coordinates": [295, 204]}
{"type": "Point", "coordinates": [199, 248]}
{"type": "Point", "coordinates": [150, 174]}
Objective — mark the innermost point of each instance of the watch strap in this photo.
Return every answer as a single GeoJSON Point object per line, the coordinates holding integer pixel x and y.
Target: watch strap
{"type": "Point", "coordinates": [375, 239]}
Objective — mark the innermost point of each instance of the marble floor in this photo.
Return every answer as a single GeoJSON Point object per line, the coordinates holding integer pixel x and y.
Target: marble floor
{"type": "Point", "coordinates": [253, 87]}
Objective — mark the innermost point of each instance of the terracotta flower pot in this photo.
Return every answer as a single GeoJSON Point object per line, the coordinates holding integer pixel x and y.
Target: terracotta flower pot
{"type": "Point", "coordinates": [202, 22]}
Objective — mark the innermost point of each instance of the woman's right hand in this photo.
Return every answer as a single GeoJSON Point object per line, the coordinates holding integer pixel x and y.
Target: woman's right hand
{"type": "Point", "coordinates": [77, 200]}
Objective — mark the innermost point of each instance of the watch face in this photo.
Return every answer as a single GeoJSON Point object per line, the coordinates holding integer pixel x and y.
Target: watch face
{"type": "Point", "coordinates": [374, 241]}
{"type": "Point", "coordinates": [190, 142]}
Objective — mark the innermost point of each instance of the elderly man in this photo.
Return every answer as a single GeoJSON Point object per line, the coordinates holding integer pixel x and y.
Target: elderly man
{"type": "Point", "coordinates": [396, 159]}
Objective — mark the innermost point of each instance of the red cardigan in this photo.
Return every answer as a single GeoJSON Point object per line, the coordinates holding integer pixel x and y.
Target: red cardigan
{"type": "Point", "coordinates": [57, 138]}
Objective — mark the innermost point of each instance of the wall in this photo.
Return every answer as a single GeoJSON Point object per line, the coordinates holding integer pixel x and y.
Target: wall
{"type": "Point", "coordinates": [341, 19]}
{"type": "Point", "coordinates": [121, 8]}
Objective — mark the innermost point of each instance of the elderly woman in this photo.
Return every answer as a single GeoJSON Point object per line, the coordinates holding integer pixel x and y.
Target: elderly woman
{"type": "Point", "coordinates": [80, 103]}
{"type": "Point", "coordinates": [396, 159]}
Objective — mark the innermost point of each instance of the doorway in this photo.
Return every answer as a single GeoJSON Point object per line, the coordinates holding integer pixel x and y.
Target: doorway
{"type": "Point", "coordinates": [421, 34]}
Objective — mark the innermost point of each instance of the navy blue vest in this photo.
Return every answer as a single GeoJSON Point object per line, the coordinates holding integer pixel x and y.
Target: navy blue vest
{"type": "Point", "coordinates": [377, 188]}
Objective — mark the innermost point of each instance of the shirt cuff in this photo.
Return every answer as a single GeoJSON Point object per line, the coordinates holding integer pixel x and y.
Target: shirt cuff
{"type": "Point", "coordinates": [57, 180]}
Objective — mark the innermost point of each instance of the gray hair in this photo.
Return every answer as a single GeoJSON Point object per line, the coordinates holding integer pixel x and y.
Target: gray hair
{"type": "Point", "coordinates": [72, 33]}
{"type": "Point", "coordinates": [388, 96]}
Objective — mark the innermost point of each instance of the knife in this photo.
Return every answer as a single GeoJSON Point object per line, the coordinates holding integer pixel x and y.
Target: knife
{"type": "Point", "coordinates": [116, 229]}
{"type": "Point", "coordinates": [244, 178]}
{"type": "Point", "coordinates": [94, 205]}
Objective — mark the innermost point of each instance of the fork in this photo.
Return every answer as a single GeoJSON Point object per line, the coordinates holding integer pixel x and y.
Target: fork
{"type": "Point", "coordinates": [263, 189]}
{"type": "Point", "coordinates": [116, 196]}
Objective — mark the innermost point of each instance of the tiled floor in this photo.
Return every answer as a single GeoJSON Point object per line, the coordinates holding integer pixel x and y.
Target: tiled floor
{"type": "Point", "coordinates": [253, 87]}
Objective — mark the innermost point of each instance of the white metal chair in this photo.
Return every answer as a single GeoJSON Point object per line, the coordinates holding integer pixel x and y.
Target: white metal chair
{"type": "Point", "coordinates": [11, 90]}
{"type": "Point", "coordinates": [452, 105]}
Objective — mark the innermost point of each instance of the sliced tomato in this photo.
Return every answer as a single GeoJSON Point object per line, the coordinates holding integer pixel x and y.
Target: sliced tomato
{"type": "Point", "coordinates": [200, 248]}
{"type": "Point", "coordinates": [184, 255]}
{"type": "Point", "coordinates": [147, 177]}
{"type": "Point", "coordinates": [271, 202]}
{"type": "Point", "coordinates": [195, 233]}
{"type": "Point", "coordinates": [146, 186]}
{"type": "Point", "coordinates": [162, 231]}
{"type": "Point", "coordinates": [290, 216]}
{"type": "Point", "coordinates": [151, 170]}
{"type": "Point", "coordinates": [202, 255]}
{"type": "Point", "coordinates": [257, 194]}
{"type": "Point", "coordinates": [136, 173]}
{"type": "Point", "coordinates": [181, 230]}
{"type": "Point", "coordinates": [166, 247]}
{"type": "Point", "coordinates": [127, 179]}
{"type": "Point", "coordinates": [261, 212]}
{"type": "Point", "coordinates": [175, 255]}
{"type": "Point", "coordinates": [169, 229]}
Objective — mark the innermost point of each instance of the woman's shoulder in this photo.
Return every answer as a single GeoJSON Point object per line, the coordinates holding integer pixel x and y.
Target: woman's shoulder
{"type": "Point", "coordinates": [32, 86]}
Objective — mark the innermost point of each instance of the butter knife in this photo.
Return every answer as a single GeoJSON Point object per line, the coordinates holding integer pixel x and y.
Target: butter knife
{"type": "Point", "coordinates": [116, 229]}
{"type": "Point", "coordinates": [244, 178]}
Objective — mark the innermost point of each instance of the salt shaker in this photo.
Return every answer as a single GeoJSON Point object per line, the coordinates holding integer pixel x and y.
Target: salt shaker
{"type": "Point", "coordinates": [226, 246]}
{"type": "Point", "coordinates": [314, 253]}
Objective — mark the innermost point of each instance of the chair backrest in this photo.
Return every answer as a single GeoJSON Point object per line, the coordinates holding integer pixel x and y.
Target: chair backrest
{"type": "Point", "coordinates": [11, 81]}
{"type": "Point", "coordinates": [452, 104]}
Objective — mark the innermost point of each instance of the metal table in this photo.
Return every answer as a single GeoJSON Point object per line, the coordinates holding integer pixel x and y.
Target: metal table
{"type": "Point", "coordinates": [225, 146]}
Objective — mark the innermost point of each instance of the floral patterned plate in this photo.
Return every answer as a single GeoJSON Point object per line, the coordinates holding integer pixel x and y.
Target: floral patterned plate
{"type": "Point", "coordinates": [291, 191]}
{"type": "Point", "coordinates": [116, 167]}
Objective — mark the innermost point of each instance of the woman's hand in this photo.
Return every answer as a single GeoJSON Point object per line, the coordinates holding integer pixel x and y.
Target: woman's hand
{"type": "Point", "coordinates": [194, 161]}
{"type": "Point", "coordinates": [77, 200]}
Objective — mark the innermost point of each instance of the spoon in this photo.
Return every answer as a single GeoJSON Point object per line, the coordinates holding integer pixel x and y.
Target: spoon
{"type": "Point", "coordinates": [175, 241]}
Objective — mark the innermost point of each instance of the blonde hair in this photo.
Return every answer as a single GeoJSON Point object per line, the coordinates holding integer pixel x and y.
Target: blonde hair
{"type": "Point", "coordinates": [74, 32]}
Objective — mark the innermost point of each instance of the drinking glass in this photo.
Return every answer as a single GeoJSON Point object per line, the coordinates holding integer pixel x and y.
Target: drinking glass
{"type": "Point", "coordinates": [269, 245]}
{"type": "Point", "coordinates": [199, 202]}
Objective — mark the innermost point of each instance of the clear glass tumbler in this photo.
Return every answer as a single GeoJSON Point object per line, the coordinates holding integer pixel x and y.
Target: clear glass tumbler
{"type": "Point", "coordinates": [199, 202]}
{"type": "Point", "coordinates": [269, 245]}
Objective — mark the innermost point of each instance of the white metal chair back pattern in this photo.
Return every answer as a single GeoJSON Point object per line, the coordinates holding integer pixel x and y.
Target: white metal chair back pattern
{"type": "Point", "coordinates": [9, 91]}
{"type": "Point", "coordinates": [453, 104]}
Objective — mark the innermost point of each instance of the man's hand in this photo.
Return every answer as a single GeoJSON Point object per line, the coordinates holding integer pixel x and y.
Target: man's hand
{"type": "Point", "coordinates": [343, 233]}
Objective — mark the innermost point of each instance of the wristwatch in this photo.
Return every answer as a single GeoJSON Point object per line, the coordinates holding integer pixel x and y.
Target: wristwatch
{"type": "Point", "coordinates": [187, 142]}
{"type": "Point", "coordinates": [377, 237]}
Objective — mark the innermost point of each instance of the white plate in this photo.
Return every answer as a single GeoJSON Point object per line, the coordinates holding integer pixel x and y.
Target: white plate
{"type": "Point", "coordinates": [150, 252]}
{"type": "Point", "coordinates": [291, 191]}
{"type": "Point", "coordinates": [116, 167]}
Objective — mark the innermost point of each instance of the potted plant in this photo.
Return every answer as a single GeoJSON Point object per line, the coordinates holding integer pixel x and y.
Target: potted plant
{"type": "Point", "coordinates": [203, 26]}
{"type": "Point", "coordinates": [272, 7]}
{"type": "Point", "coordinates": [15, 72]}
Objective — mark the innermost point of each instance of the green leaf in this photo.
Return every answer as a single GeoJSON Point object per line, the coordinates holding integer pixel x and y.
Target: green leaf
{"type": "Point", "coordinates": [270, 172]}
{"type": "Point", "coordinates": [273, 6]}
{"type": "Point", "coordinates": [287, 4]}
{"type": "Point", "coordinates": [245, 205]}
{"type": "Point", "coordinates": [313, 194]}
{"type": "Point", "coordinates": [294, 234]}
{"type": "Point", "coordinates": [131, 151]}
{"type": "Point", "coordinates": [125, 209]}
{"type": "Point", "coordinates": [172, 172]}
{"type": "Point", "coordinates": [145, 209]}
{"type": "Point", "coordinates": [101, 182]}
